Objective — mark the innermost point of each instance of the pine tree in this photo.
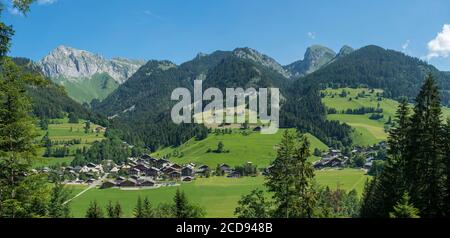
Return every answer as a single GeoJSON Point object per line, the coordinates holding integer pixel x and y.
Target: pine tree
{"type": "Point", "coordinates": [94, 211]}
{"type": "Point", "coordinates": [118, 210]}
{"type": "Point", "coordinates": [447, 167]}
{"type": "Point", "coordinates": [139, 210]}
{"type": "Point", "coordinates": [404, 209]}
{"type": "Point", "coordinates": [370, 203]}
{"type": "Point", "coordinates": [147, 209]}
{"type": "Point", "coordinates": [424, 166]}
{"type": "Point", "coordinates": [110, 210]}
{"type": "Point", "coordinates": [58, 208]}
{"type": "Point", "coordinates": [305, 197]}
{"type": "Point", "coordinates": [390, 184]}
{"type": "Point", "coordinates": [180, 205]}
{"type": "Point", "coordinates": [253, 205]}
{"type": "Point", "coordinates": [280, 180]}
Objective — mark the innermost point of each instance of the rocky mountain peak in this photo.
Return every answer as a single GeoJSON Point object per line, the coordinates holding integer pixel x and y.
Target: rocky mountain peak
{"type": "Point", "coordinates": [254, 55]}
{"type": "Point", "coordinates": [345, 50]}
{"type": "Point", "coordinates": [76, 65]}
{"type": "Point", "coordinates": [316, 56]}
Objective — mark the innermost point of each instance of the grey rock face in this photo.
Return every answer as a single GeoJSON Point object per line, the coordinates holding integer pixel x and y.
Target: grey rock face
{"type": "Point", "coordinates": [76, 65]}
{"type": "Point", "coordinates": [251, 54]}
{"type": "Point", "coordinates": [316, 56]}
{"type": "Point", "coordinates": [345, 50]}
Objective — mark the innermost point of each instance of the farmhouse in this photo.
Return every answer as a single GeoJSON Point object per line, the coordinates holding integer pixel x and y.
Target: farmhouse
{"type": "Point", "coordinates": [224, 168]}
{"type": "Point", "coordinates": [161, 162]}
{"type": "Point", "coordinates": [328, 162]}
{"type": "Point", "coordinates": [152, 172]}
{"type": "Point", "coordinates": [187, 171]}
{"type": "Point", "coordinates": [135, 171]}
{"type": "Point", "coordinates": [175, 175]}
{"type": "Point", "coordinates": [108, 184]}
{"type": "Point", "coordinates": [129, 183]}
{"type": "Point", "coordinates": [147, 183]}
{"type": "Point", "coordinates": [234, 174]}
{"type": "Point", "coordinates": [202, 169]}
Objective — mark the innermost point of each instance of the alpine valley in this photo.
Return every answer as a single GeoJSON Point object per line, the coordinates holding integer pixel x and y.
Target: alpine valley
{"type": "Point", "coordinates": [116, 114]}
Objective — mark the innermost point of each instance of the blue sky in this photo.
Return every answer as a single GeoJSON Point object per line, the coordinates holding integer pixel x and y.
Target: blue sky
{"type": "Point", "coordinates": [178, 29]}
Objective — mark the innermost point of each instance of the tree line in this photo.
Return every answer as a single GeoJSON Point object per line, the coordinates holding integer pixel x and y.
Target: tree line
{"type": "Point", "coordinates": [180, 207]}
{"type": "Point", "coordinates": [417, 169]}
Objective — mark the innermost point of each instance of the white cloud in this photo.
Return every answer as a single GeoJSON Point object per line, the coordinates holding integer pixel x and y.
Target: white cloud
{"type": "Point", "coordinates": [406, 45]}
{"type": "Point", "coordinates": [312, 35]}
{"type": "Point", "coordinates": [46, 2]}
{"type": "Point", "coordinates": [153, 15]}
{"type": "Point", "coordinates": [440, 46]}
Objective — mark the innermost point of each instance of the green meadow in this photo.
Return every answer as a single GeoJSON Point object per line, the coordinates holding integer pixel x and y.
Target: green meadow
{"type": "Point", "coordinates": [63, 131]}
{"type": "Point", "coordinates": [256, 148]}
{"type": "Point", "coordinates": [217, 195]}
{"type": "Point", "coordinates": [366, 131]}
{"type": "Point", "coordinates": [85, 90]}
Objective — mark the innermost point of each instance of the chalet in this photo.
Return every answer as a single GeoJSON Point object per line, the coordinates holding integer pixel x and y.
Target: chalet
{"type": "Point", "coordinates": [129, 183]}
{"type": "Point", "coordinates": [149, 159]}
{"type": "Point", "coordinates": [141, 167]}
{"type": "Point", "coordinates": [108, 184]}
{"type": "Point", "coordinates": [147, 183]}
{"type": "Point", "coordinates": [161, 162]}
{"type": "Point", "coordinates": [90, 181]}
{"type": "Point", "coordinates": [224, 168]}
{"type": "Point", "coordinates": [187, 179]}
{"type": "Point", "coordinates": [234, 174]}
{"type": "Point", "coordinates": [368, 165]}
{"type": "Point", "coordinates": [187, 171]}
{"type": "Point", "coordinates": [114, 170]}
{"type": "Point", "coordinates": [176, 166]}
{"type": "Point", "coordinates": [203, 169]}
{"type": "Point", "coordinates": [136, 177]}
{"type": "Point", "coordinates": [77, 168]}
{"type": "Point", "coordinates": [328, 163]}
{"type": "Point", "coordinates": [168, 170]}
{"type": "Point", "coordinates": [135, 171]}
{"type": "Point", "coordinates": [175, 175]}
{"type": "Point", "coordinates": [141, 161]}
{"type": "Point", "coordinates": [152, 172]}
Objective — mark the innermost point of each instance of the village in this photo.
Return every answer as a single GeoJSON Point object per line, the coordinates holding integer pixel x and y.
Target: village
{"type": "Point", "coordinates": [147, 172]}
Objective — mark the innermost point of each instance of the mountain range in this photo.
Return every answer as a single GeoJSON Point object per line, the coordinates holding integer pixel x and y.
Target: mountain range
{"type": "Point", "coordinates": [139, 105]}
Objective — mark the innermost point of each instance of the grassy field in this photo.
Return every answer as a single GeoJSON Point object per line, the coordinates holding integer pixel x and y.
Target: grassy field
{"type": "Point", "coordinates": [85, 90]}
{"type": "Point", "coordinates": [217, 195]}
{"type": "Point", "coordinates": [62, 130]}
{"type": "Point", "coordinates": [366, 131]}
{"type": "Point", "coordinates": [257, 148]}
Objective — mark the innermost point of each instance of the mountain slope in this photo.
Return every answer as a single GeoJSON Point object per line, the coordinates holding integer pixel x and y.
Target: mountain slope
{"type": "Point", "coordinates": [84, 74]}
{"type": "Point", "coordinates": [141, 106]}
{"type": "Point", "coordinates": [51, 101]}
{"type": "Point", "coordinates": [394, 72]}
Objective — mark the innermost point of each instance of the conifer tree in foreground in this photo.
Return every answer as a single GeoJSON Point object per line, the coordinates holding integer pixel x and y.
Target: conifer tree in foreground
{"type": "Point", "coordinates": [416, 161]}
{"type": "Point", "coordinates": [291, 176]}
{"type": "Point", "coordinates": [94, 211]}
{"type": "Point", "coordinates": [447, 167]}
{"type": "Point", "coordinates": [139, 210]}
{"type": "Point", "coordinates": [424, 165]}
{"type": "Point", "coordinates": [404, 209]}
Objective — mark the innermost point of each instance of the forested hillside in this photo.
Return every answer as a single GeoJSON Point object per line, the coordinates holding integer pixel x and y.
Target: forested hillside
{"type": "Point", "coordinates": [372, 66]}
{"type": "Point", "coordinates": [141, 107]}
{"type": "Point", "coordinates": [50, 100]}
